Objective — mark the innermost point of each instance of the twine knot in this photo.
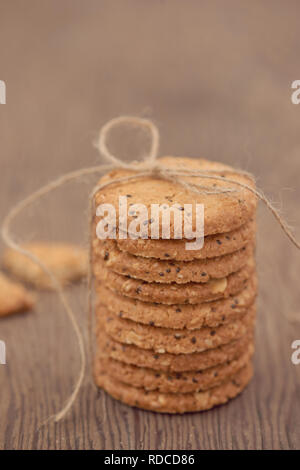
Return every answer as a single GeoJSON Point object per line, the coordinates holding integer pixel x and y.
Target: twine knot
{"type": "Point", "coordinates": [148, 161]}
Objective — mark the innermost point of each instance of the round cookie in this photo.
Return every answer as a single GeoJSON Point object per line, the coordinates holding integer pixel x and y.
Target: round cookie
{"type": "Point", "coordinates": [192, 292]}
{"type": "Point", "coordinates": [190, 316]}
{"type": "Point", "coordinates": [163, 271]}
{"type": "Point", "coordinates": [214, 245]}
{"type": "Point", "coordinates": [223, 212]}
{"type": "Point", "coordinates": [174, 402]}
{"type": "Point", "coordinates": [163, 340]}
{"type": "Point", "coordinates": [180, 382]}
{"type": "Point", "coordinates": [131, 354]}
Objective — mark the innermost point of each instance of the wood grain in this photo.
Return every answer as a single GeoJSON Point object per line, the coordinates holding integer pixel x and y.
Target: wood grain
{"type": "Point", "coordinates": [217, 81]}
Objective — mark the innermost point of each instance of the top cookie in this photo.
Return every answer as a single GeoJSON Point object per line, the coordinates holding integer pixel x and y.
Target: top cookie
{"type": "Point", "coordinates": [223, 212]}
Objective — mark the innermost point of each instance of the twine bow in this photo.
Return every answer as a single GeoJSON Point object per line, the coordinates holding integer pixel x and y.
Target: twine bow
{"type": "Point", "coordinates": [150, 166]}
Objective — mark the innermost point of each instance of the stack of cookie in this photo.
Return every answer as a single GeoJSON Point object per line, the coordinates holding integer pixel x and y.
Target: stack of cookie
{"type": "Point", "coordinates": [175, 326]}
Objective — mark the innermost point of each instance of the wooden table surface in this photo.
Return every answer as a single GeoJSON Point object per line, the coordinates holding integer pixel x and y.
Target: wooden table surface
{"type": "Point", "coordinates": [217, 80]}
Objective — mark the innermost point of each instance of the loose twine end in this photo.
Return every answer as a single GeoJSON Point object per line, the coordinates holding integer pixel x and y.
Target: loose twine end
{"type": "Point", "coordinates": [148, 167]}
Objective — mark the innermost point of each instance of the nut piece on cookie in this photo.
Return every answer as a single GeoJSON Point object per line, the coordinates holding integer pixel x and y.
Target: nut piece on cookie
{"type": "Point", "coordinates": [13, 297]}
{"type": "Point", "coordinates": [67, 262]}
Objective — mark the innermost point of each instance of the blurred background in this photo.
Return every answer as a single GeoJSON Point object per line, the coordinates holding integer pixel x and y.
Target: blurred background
{"type": "Point", "coordinates": [216, 78]}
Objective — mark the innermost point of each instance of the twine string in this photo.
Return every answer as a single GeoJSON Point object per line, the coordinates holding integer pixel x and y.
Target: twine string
{"type": "Point", "coordinates": [101, 145]}
{"type": "Point", "coordinates": [149, 166]}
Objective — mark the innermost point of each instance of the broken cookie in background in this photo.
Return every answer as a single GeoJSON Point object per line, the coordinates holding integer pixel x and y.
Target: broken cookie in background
{"type": "Point", "coordinates": [14, 297]}
{"type": "Point", "coordinates": [67, 262]}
